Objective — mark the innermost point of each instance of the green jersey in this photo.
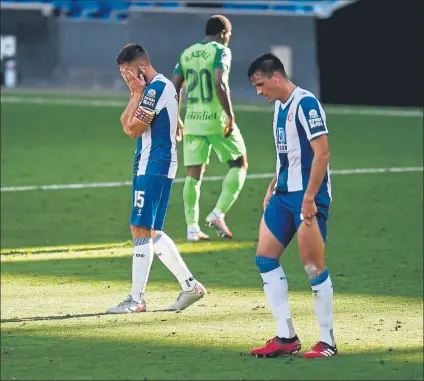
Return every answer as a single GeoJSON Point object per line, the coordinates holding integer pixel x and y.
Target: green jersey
{"type": "Point", "coordinates": [205, 115]}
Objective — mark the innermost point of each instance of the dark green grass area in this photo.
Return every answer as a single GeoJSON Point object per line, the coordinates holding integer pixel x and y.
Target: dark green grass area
{"type": "Point", "coordinates": [57, 356]}
{"type": "Point", "coordinates": [74, 144]}
{"type": "Point", "coordinates": [53, 144]}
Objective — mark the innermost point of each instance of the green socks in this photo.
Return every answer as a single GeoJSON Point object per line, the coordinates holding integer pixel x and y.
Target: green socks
{"type": "Point", "coordinates": [191, 196]}
{"type": "Point", "coordinates": [231, 187]}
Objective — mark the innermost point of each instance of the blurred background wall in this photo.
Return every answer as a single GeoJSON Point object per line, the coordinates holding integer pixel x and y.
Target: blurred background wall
{"type": "Point", "coordinates": [358, 52]}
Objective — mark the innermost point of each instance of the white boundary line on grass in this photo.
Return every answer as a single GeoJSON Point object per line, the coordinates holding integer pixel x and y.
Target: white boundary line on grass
{"type": "Point", "coordinates": [105, 102]}
{"type": "Point", "coordinates": [252, 176]}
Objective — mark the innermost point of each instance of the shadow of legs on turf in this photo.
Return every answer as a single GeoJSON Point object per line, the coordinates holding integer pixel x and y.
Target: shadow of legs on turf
{"type": "Point", "coordinates": [58, 317]}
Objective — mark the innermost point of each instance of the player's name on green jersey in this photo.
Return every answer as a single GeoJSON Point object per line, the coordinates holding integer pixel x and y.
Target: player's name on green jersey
{"type": "Point", "coordinates": [198, 54]}
{"type": "Point", "coordinates": [199, 115]}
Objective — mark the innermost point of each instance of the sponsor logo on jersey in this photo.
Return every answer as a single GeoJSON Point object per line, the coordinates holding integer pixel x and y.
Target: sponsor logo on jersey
{"type": "Point", "coordinates": [281, 141]}
{"type": "Point", "coordinates": [148, 101]}
{"type": "Point", "coordinates": [151, 93]}
{"type": "Point", "coordinates": [315, 120]}
{"type": "Point", "coordinates": [201, 115]}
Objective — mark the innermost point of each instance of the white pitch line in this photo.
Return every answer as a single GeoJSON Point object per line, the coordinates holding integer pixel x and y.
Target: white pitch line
{"type": "Point", "coordinates": [89, 102]}
{"type": "Point", "coordinates": [252, 176]}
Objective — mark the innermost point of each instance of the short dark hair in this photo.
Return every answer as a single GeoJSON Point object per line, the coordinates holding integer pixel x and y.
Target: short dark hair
{"type": "Point", "coordinates": [267, 64]}
{"type": "Point", "coordinates": [132, 52]}
{"type": "Point", "coordinates": [217, 24]}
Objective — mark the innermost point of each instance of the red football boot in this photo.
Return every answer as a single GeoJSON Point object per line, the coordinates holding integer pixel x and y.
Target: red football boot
{"type": "Point", "coordinates": [277, 347]}
{"type": "Point", "coordinates": [320, 349]}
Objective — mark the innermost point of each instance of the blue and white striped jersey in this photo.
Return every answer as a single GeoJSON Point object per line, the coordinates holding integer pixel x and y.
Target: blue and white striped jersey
{"type": "Point", "coordinates": [156, 151]}
{"type": "Point", "coordinates": [296, 122]}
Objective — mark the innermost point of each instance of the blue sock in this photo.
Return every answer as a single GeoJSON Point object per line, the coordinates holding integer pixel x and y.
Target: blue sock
{"type": "Point", "coordinates": [266, 264]}
{"type": "Point", "coordinates": [321, 278]}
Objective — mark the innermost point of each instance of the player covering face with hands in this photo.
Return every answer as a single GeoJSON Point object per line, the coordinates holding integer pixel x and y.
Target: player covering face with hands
{"type": "Point", "coordinates": [151, 119]}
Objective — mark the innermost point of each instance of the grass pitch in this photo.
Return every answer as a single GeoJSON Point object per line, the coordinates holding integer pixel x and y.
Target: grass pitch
{"type": "Point", "coordinates": [66, 258]}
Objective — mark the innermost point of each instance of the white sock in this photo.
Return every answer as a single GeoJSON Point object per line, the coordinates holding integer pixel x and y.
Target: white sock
{"type": "Point", "coordinates": [193, 228]}
{"type": "Point", "coordinates": [168, 253]}
{"type": "Point", "coordinates": [142, 262]}
{"type": "Point", "coordinates": [218, 213]}
{"type": "Point", "coordinates": [276, 291]}
{"type": "Point", "coordinates": [322, 300]}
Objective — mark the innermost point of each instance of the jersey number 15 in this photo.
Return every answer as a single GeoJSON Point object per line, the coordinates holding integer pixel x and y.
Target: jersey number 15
{"type": "Point", "coordinates": [138, 199]}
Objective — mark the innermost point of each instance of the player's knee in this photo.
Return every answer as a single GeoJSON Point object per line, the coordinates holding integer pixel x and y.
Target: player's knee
{"type": "Point", "coordinates": [140, 231]}
{"type": "Point", "coordinates": [311, 271]}
{"type": "Point", "coordinates": [266, 264]}
{"type": "Point", "coordinates": [240, 162]}
{"type": "Point", "coordinates": [156, 233]}
{"type": "Point", "coordinates": [196, 171]}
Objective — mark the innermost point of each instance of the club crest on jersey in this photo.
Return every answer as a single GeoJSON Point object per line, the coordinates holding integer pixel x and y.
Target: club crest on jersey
{"type": "Point", "coordinates": [313, 114]}
{"type": "Point", "coordinates": [281, 141]}
{"type": "Point", "coordinates": [315, 119]}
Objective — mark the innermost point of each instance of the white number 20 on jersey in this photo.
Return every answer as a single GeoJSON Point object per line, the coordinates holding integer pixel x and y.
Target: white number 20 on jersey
{"type": "Point", "coordinates": [138, 199]}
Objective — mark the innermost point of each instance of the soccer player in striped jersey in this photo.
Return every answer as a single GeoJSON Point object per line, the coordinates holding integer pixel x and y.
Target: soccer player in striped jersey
{"type": "Point", "coordinates": [209, 124]}
{"type": "Point", "coordinates": [151, 119]}
{"type": "Point", "coordinates": [297, 201]}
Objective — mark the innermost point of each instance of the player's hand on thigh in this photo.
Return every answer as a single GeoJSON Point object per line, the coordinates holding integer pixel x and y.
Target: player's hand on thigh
{"type": "Point", "coordinates": [180, 129]}
{"type": "Point", "coordinates": [267, 197]}
{"type": "Point", "coordinates": [309, 210]}
{"type": "Point", "coordinates": [268, 244]}
{"type": "Point", "coordinates": [229, 128]}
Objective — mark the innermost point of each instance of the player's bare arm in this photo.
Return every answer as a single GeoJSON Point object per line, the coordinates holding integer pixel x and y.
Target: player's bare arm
{"type": "Point", "coordinates": [319, 167]}
{"type": "Point", "coordinates": [131, 124]}
{"type": "Point", "coordinates": [223, 93]}
{"type": "Point", "coordinates": [178, 81]}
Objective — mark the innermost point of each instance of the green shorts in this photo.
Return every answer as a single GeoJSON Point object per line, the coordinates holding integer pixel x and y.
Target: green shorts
{"type": "Point", "coordinates": [197, 148]}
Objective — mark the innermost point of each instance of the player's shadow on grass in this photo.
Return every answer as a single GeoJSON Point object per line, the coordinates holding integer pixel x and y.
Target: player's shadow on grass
{"type": "Point", "coordinates": [55, 317]}
{"type": "Point", "coordinates": [165, 356]}
{"type": "Point", "coordinates": [62, 317]}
